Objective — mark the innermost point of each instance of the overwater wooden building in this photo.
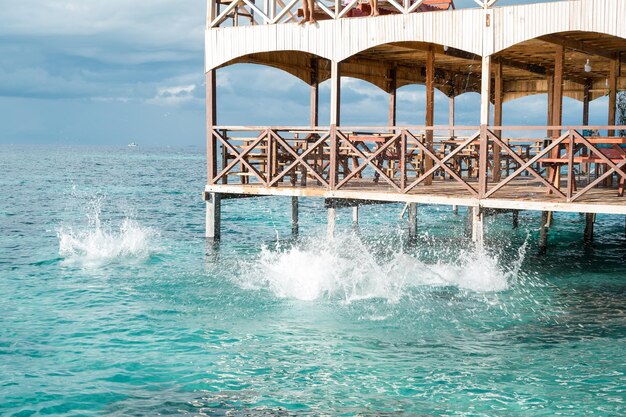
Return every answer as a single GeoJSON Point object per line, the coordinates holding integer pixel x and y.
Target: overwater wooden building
{"type": "Point", "coordinates": [569, 48]}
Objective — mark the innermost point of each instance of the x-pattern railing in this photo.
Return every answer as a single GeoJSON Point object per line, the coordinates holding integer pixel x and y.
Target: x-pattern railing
{"type": "Point", "coordinates": [323, 155]}
{"type": "Point", "coordinates": [273, 154]}
{"type": "Point", "coordinates": [571, 151]}
{"type": "Point", "coordinates": [284, 11]}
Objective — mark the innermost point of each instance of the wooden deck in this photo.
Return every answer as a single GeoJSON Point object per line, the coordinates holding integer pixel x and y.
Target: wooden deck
{"type": "Point", "coordinates": [520, 194]}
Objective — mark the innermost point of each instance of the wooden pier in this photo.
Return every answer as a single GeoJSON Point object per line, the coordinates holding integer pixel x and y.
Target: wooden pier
{"type": "Point", "coordinates": [570, 48]}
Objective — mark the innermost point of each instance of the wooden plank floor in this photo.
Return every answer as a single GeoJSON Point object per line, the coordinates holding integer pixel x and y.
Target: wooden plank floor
{"type": "Point", "coordinates": [522, 193]}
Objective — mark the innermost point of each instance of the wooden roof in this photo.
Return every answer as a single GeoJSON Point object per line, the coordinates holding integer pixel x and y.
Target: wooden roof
{"type": "Point", "coordinates": [526, 66]}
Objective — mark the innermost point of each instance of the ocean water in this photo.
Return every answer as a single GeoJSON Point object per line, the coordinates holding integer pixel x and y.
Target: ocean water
{"type": "Point", "coordinates": [112, 303]}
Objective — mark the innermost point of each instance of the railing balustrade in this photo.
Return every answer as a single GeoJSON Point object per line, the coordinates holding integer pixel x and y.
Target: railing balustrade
{"type": "Point", "coordinates": [269, 12]}
{"type": "Point", "coordinates": [404, 160]}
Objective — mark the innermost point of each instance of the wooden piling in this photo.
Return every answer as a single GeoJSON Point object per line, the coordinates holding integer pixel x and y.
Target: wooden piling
{"type": "Point", "coordinates": [477, 226]}
{"type": "Point", "coordinates": [213, 216]}
{"type": "Point", "coordinates": [590, 219]}
{"type": "Point", "coordinates": [355, 216]}
{"type": "Point", "coordinates": [543, 231]}
{"type": "Point", "coordinates": [331, 216]}
{"type": "Point", "coordinates": [295, 213]}
{"type": "Point", "coordinates": [412, 221]}
{"type": "Point", "coordinates": [515, 219]}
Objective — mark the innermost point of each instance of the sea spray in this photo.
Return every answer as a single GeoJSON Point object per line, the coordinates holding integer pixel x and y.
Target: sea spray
{"type": "Point", "coordinates": [101, 242]}
{"type": "Point", "coordinates": [350, 269]}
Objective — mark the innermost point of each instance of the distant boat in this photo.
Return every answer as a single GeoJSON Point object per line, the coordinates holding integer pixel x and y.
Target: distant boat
{"type": "Point", "coordinates": [132, 145]}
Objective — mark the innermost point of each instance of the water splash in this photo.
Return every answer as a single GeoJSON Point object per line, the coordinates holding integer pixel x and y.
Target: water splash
{"type": "Point", "coordinates": [347, 268]}
{"type": "Point", "coordinates": [102, 242]}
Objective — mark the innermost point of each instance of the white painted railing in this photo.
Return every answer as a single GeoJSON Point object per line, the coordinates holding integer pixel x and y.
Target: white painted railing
{"type": "Point", "coordinates": [270, 12]}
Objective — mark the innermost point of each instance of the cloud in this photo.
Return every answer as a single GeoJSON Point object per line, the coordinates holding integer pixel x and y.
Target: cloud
{"type": "Point", "coordinates": [172, 96]}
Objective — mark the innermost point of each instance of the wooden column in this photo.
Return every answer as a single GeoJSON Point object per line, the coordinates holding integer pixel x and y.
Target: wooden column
{"type": "Point", "coordinates": [550, 81]}
{"type": "Point", "coordinates": [451, 115]}
{"type": "Point", "coordinates": [557, 105]}
{"type": "Point", "coordinates": [213, 216]}
{"type": "Point", "coordinates": [430, 108]}
{"type": "Point", "coordinates": [613, 74]}
{"type": "Point", "coordinates": [497, 117]}
{"type": "Point", "coordinates": [515, 219]}
{"type": "Point", "coordinates": [586, 99]}
{"type": "Point", "coordinates": [335, 119]}
{"type": "Point", "coordinates": [211, 120]}
{"type": "Point", "coordinates": [335, 93]}
{"type": "Point", "coordinates": [485, 95]}
{"type": "Point", "coordinates": [393, 86]}
{"type": "Point", "coordinates": [315, 98]}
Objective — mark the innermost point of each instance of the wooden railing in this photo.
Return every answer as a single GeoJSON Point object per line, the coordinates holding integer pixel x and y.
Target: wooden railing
{"type": "Point", "coordinates": [257, 12]}
{"type": "Point", "coordinates": [476, 163]}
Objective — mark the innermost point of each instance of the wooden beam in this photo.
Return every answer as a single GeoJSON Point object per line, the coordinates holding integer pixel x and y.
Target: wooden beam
{"type": "Point", "coordinates": [538, 69]}
{"type": "Point", "coordinates": [211, 121]}
{"type": "Point", "coordinates": [497, 116]}
{"type": "Point", "coordinates": [349, 202]}
{"type": "Point", "coordinates": [576, 45]}
{"type": "Point", "coordinates": [393, 83]}
{"type": "Point", "coordinates": [430, 108]}
{"type": "Point", "coordinates": [613, 74]}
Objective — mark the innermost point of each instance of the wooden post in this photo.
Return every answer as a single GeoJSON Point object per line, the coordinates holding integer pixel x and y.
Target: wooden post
{"type": "Point", "coordinates": [485, 94]}
{"type": "Point", "coordinates": [331, 215]}
{"type": "Point", "coordinates": [613, 74]}
{"type": "Point", "coordinates": [335, 93]}
{"type": "Point", "coordinates": [497, 118]}
{"type": "Point", "coordinates": [335, 119]}
{"type": "Point", "coordinates": [590, 219]}
{"type": "Point", "coordinates": [451, 116]}
{"type": "Point", "coordinates": [557, 105]}
{"type": "Point", "coordinates": [515, 219]}
{"type": "Point", "coordinates": [455, 210]}
{"type": "Point", "coordinates": [430, 108]}
{"type": "Point", "coordinates": [213, 216]}
{"type": "Point", "coordinates": [550, 80]}
{"type": "Point", "coordinates": [412, 221]}
{"type": "Point", "coordinates": [211, 120]}
{"type": "Point", "coordinates": [477, 227]}
{"type": "Point", "coordinates": [210, 12]}
{"type": "Point", "coordinates": [543, 231]}
{"type": "Point", "coordinates": [586, 99]}
{"type": "Point", "coordinates": [315, 92]}
{"type": "Point", "coordinates": [295, 212]}
{"type": "Point", "coordinates": [393, 86]}
{"type": "Point", "coordinates": [355, 216]}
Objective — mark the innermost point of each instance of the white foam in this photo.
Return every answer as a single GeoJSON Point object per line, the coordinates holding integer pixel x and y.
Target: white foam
{"type": "Point", "coordinates": [347, 269]}
{"type": "Point", "coordinates": [99, 243]}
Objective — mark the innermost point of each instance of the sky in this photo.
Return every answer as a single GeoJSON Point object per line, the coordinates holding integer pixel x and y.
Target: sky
{"type": "Point", "coordinates": [116, 71]}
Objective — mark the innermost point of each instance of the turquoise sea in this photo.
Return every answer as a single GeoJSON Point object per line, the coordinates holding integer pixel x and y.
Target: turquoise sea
{"type": "Point", "coordinates": [112, 303]}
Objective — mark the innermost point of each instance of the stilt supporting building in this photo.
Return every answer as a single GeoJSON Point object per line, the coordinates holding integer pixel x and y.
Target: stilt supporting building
{"type": "Point", "coordinates": [570, 48]}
